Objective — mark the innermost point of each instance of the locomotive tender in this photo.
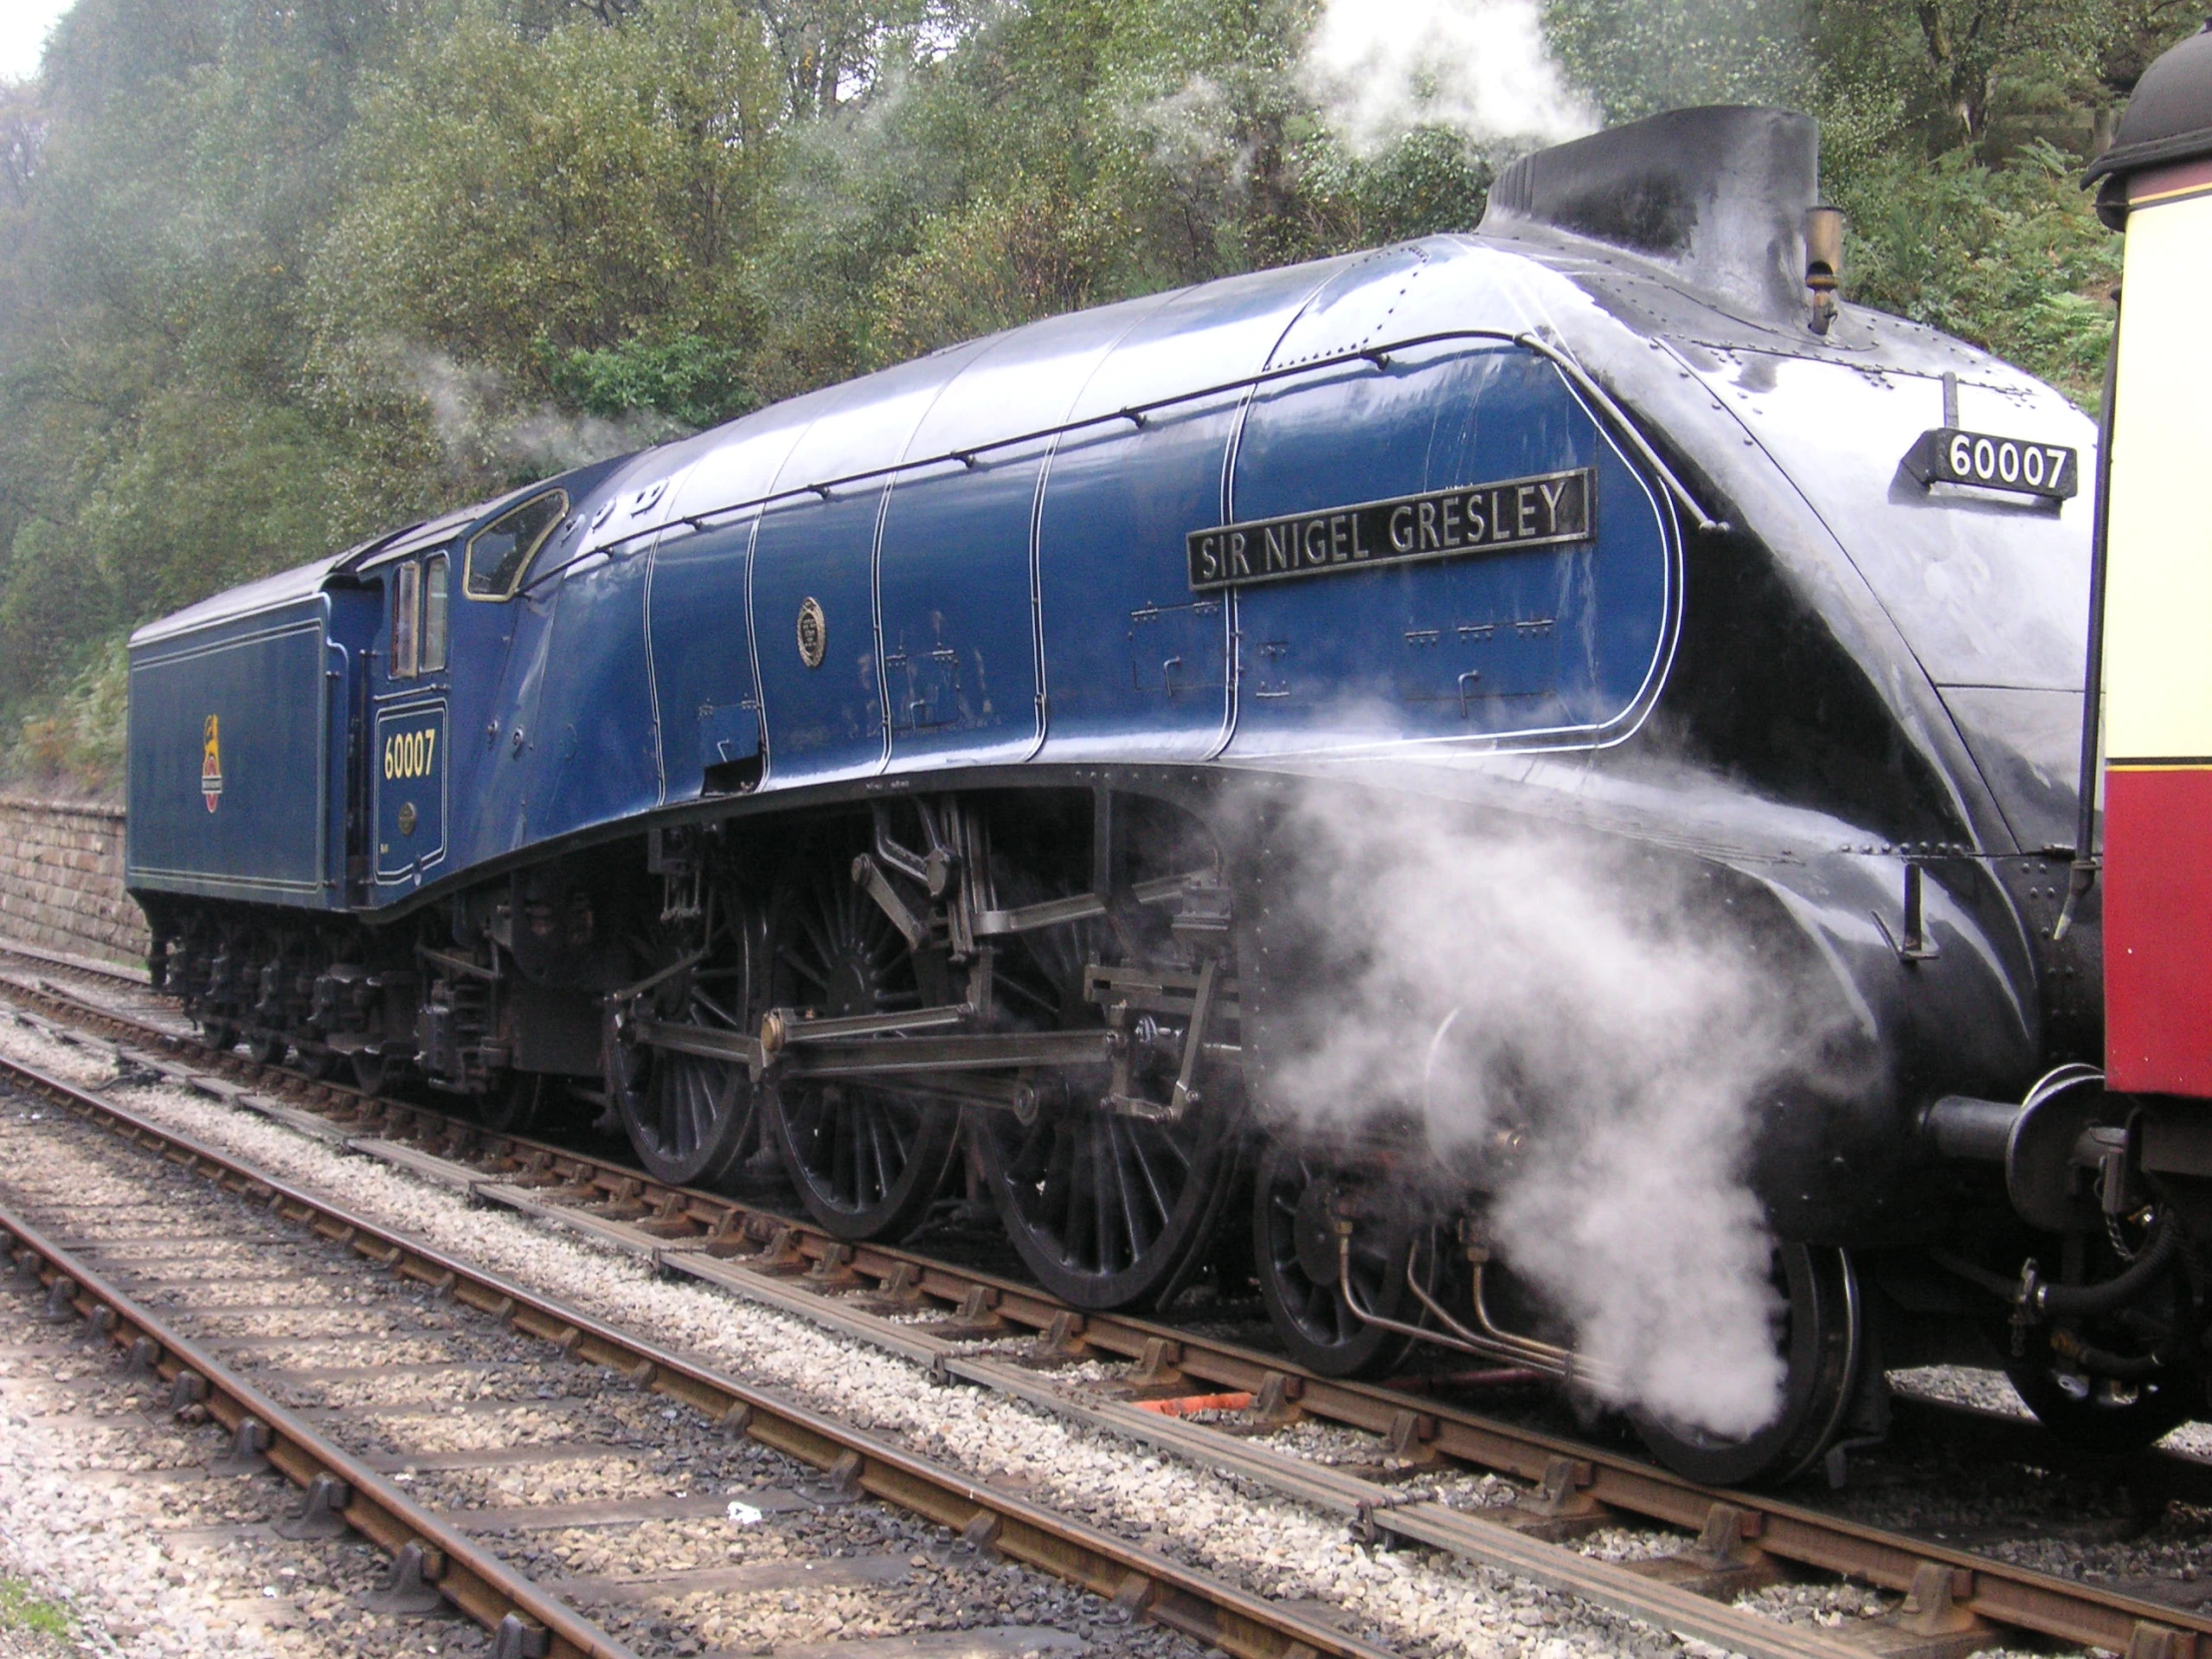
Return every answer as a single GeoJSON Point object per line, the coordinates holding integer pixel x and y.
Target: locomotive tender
{"type": "Point", "coordinates": [891, 784]}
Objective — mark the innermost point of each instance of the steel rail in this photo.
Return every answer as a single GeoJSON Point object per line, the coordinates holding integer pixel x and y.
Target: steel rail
{"type": "Point", "coordinates": [1139, 1580]}
{"type": "Point", "coordinates": [91, 967]}
{"type": "Point", "coordinates": [465, 1574]}
{"type": "Point", "coordinates": [582, 1180]}
{"type": "Point", "coordinates": [1598, 1482]}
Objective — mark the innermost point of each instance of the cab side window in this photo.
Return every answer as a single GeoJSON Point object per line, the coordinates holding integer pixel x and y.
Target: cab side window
{"type": "Point", "coordinates": [406, 607]}
{"type": "Point", "coordinates": [435, 574]}
{"type": "Point", "coordinates": [500, 553]}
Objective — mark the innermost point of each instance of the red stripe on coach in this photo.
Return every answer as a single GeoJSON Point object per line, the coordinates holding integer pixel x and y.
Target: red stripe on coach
{"type": "Point", "coordinates": [2158, 929]}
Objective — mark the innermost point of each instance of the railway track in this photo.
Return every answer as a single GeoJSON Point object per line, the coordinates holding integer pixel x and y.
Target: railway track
{"type": "Point", "coordinates": [1730, 1542]}
{"type": "Point", "coordinates": [404, 1298]}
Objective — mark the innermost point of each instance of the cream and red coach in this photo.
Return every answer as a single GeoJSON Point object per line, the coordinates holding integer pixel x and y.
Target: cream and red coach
{"type": "Point", "coordinates": [2157, 184]}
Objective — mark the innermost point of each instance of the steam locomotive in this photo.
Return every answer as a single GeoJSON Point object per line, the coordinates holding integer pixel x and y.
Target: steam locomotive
{"type": "Point", "coordinates": [909, 786]}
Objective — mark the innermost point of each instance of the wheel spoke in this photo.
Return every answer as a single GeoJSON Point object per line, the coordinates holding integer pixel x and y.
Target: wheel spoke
{"type": "Point", "coordinates": [885, 1169]}
{"type": "Point", "coordinates": [722, 1016]}
{"type": "Point", "coordinates": [1121, 1140]}
{"type": "Point", "coordinates": [1161, 1206]}
{"type": "Point", "coordinates": [1102, 1169]}
{"type": "Point", "coordinates": [1048, 1004]}
{"type": "Point", "coordinates": [806, 970]}
{"type": "Point", "coordinates": [1318, 1299]}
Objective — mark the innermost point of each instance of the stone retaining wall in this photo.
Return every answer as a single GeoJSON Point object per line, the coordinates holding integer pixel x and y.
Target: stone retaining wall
{"type": "Point", "coordinates": [61, 879]}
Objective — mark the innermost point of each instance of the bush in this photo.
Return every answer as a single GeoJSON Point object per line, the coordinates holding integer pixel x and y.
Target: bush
{"type": "Point", "coordinates": [74, 742]}
{"type": "Point", "coordinates": [52, 602]}
{"type": "Point", "coordinates": [691, 380]}
{"type": "Point", "coordinates": [2011, 258]}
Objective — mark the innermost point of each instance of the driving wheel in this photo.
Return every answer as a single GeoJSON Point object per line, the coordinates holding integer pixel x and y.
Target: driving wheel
{"type": "Point", "coordinates": [692, 1113]}
{"type": "Point", "coordinates": [1108, 1207]}
{"type": "Point", "coordinates": [867, 1158]}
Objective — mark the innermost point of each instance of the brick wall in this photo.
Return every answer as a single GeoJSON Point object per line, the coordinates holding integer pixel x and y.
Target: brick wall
{"type": "Point", "coordinates": [61, 879]}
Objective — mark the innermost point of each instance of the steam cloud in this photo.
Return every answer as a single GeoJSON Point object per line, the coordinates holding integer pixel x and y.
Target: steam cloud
{"type": "Point", "coordinates": [1532, 982]}
{"type": "Point", "coordinates": [1382, 66]}
{"type": "Point", "coordinates": [483, 430]}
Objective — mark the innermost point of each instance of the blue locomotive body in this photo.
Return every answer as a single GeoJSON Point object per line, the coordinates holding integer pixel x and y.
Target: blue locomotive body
{"type": "Point", "coordinates": [985, 597]}
{"type": "Point", "coordinates": [1561, 525]}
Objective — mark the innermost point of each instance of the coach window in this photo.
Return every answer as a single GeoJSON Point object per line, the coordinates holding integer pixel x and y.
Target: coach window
{"type": "Point", "coordinates": [434, 580]}
{"type": "Point", "coordinates": [405, 606]}
{"type": "Point", "coordinates": [500, 553]}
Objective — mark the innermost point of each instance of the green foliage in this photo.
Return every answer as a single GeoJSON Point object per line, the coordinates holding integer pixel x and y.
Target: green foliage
{"type": "Point", "coordinates": [1639, 57]}
{"type": "Point", "coordinates": [53, 597]}
{"type": "Point", "coordinates": [1005, 258]}
{"type": "Point", "coordinates": [70, 738]}
{"type": "Point", "coordinates": [2010, 257]}
{"type": "Point", "coordinates": [509, 191]}
{"type": "Point", "coordinates": [690, 380]}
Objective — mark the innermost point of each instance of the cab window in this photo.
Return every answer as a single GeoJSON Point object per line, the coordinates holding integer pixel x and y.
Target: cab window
{"type": "Point", "coordinates": [406, 603]}
{"type": "Point", "coordinates": [435, 571]}
{"type": "Point", "coordinates": [500, 553]}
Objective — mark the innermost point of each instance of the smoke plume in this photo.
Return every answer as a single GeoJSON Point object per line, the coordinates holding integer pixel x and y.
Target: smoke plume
{"type": "Point", "coordinates": [1609, 1014]}
{"type": "Point", "coordinates": [1380, 68]}
{"type": "Point", "coordinates": [486, 431]}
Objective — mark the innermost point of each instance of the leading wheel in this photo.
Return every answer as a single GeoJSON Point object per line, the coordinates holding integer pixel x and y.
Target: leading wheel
{"type": "Point", "coordinates": [867, 1159]}
{"type": "Point", "coordinates": [1300, 1196]}
{"type": "Point", "coordinates": [693, 1117]}
{"type": "Point", "coordinates": [1819, 1338]}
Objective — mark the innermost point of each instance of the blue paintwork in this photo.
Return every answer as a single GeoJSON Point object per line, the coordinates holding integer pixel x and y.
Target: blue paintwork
{"type": "Point", "coordinates": [1032, 606]}
{"type": "Point", "coordinates": [703, 655]}
{"type": "Point", "coordinates": [1548, 643]}
{"type": "Point", "coordinates": [263, 832]}
{"type": "Point", "coordinates": [410, 759]}
{"type": "Point", "coordinates": [589, 754]}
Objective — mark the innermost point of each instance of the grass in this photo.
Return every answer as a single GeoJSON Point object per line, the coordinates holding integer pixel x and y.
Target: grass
{"type": "Point", "coordinates": [22, 1609]}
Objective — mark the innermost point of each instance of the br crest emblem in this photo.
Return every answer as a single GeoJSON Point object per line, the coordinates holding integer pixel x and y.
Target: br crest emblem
{"type": "Point", "coordinates": [210, 763]}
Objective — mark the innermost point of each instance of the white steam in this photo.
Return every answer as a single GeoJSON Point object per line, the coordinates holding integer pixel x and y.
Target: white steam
{"type": "Point", "coordinates": [485, 430]}
{"type": "Point", "coordinates": [1190, 133]}
{"type": "Point", "coordinates": [1380, 68]}
{"type": "Point", "coordinates": [1595, 1003]}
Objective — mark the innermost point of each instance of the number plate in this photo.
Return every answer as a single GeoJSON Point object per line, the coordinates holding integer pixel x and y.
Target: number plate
{"type": "Point", "coordinates": [1953, 455]}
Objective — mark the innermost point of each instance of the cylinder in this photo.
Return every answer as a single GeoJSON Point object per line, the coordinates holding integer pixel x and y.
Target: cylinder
{"type": "Point", "coordinates": [1960, 1126]}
